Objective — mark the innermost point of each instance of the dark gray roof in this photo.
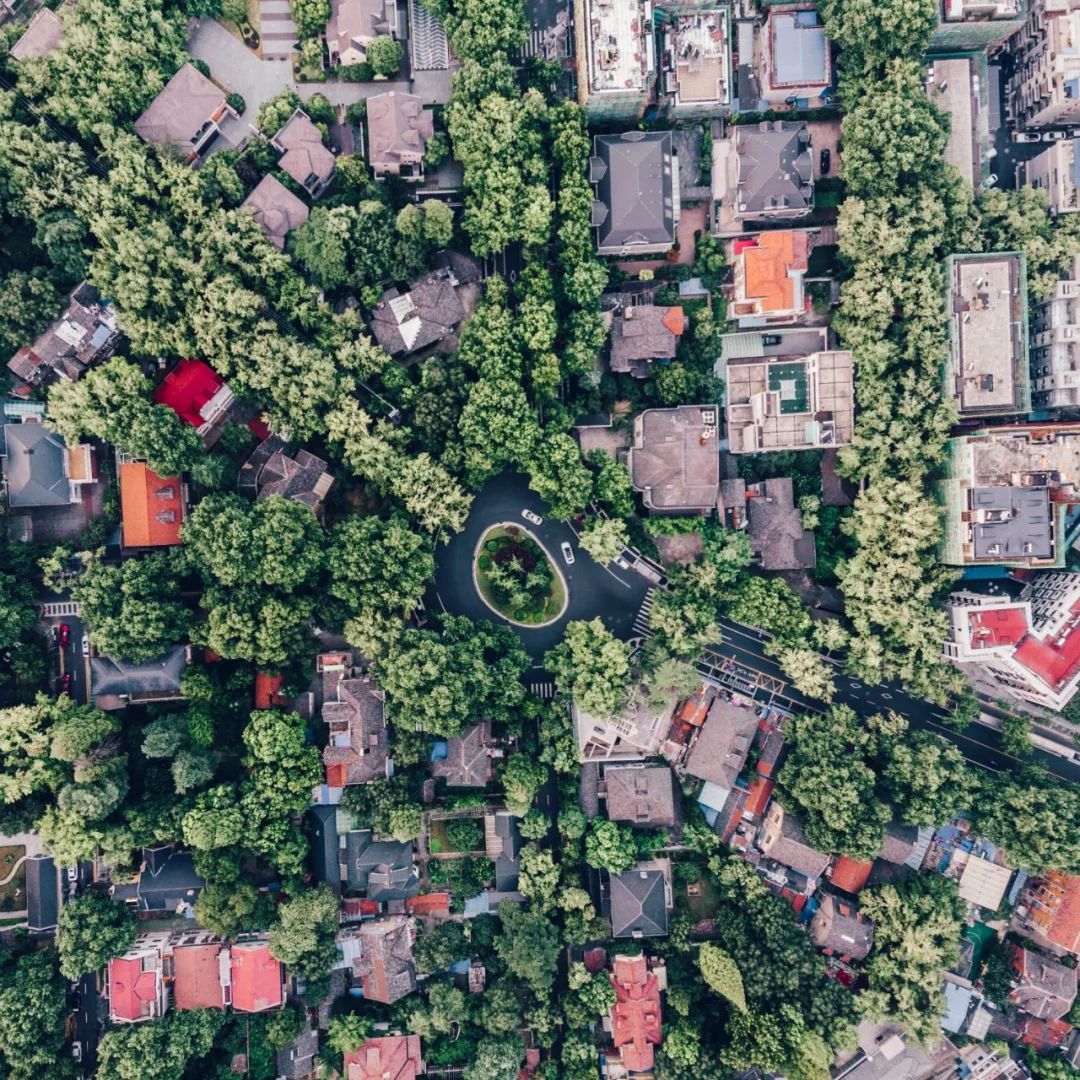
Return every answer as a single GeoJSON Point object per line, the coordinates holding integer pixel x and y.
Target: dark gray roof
{"type": "Point", "coordinates": [776, 531]}
{"type": "Point", "coordinates": [638, 904]}
{"type": "Point", "coordinates": [426, 313]}
{"type": "Point", "coordinates": [112, 677]}
{"type": "Point", "coordinates": [508, 863]}
{"type": "Point", "coordinates": [359, 744]}
{"type": "Point", "coordinates": [382, 869]}
{"type": "Point", "coordinates": [467, 762]}
{"type": "Point", "coordinates": [775, 168]}
{"type": "Point", "coordinates": [792, 848]}
{"type": "Point", "coordinates": [838, 927]}
{"type": "Point", "coordinates": [899, 843]}
{"type": "Point", "coordinates": [273, 469]}
{"type": "Point", "coordinates": [632, 173]}
{"type": "Point", "coordinates": [42, 893]}
{"type": "Point", "coordinates": [325, 845]}
{"type": "Point", "coordinates": [1017, 523]}
{"type": "Point", "coordinates": [168, 880]}
{"type": "Point", "coordinates": [297, 1058]}
{"type": "Point", "coordinates": [35, 465]}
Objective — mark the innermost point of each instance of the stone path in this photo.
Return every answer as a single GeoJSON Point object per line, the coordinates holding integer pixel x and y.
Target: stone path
{"type": "Point", "coordinates": [278, 30]}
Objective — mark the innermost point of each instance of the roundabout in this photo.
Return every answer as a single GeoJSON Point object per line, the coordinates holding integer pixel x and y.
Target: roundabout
{"type": "Point", "coordinates": [608, 592]}
{"type": "Point", "coordinates": [517, 578]}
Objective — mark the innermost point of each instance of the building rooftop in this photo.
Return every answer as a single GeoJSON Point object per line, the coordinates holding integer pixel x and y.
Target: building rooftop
{"type": "Point", "coordinates": [201, 976]}
{"type": "Point", "coordinates": [196, 393]}
{"type": "Point", "coordinates": [42, 893]}
{"type": "Point", "coordinates": [357, 751]}
{"type": "Point", "coordinates": [952, 90]}
{"type": "Point", "coordinates": [152, 507]}
{"type": "Point", "coordinates": [775, 531]}
{"type": "Point", "coordinates": [838, 928]}
{"type": "Point", "coordinates": [639, 905]}
{"type": "Point", "coordinates": [723, 744]}
{"type": "Point", "coordinates": [274, 468]}
{"type": "Point", "coordinates": [398, 128]}
{"type": "Point", "coordinates": [641, 796]}
{"type": "Point", "coordinates": [987, 309]}
{"type": "Point", "coordinates": [110, 676]}
{"type": "Point", "coordinates": [167, 880]}
{"type": "Point", "coordinates": [385, 966]}
{"type": "Point", "coordinates": [642, 333]}
{"type": "Point", "coordinates": [984, 883]}
{"type": "Point", "coordinates": [391, 1057]}
{"type": "Point", "coordinates": [781, 838]}
{"type": "Point", "coordinates": [134, 990]}
{"type": "Point", "coordinates": [1043, 987]}
{"type": "Point", "coordinates": [636, 193]}
{"type": "Point", "coordinates": [183, 112]}
{"type": "Point", "coordinates": [769, 272]}
{"type": "Point", "coordinates": [798, 60]}
{"type": "Point", "coordinates": [296, 1059]}
{"type": "Point", "coordinates": [850, 874]}
{"type": "Point", "coordinates": [468, 761]}
{"type": "Point", "coordinates": [276, 209]}
{"type": "Point", "coordinates": [382, 869]}
{"type": "Point", "coordinates": [790, 403]}
{"type": "Point", "coordinates": [699, 55]}
{"type": "Point", "coordinates": [258, 980]}
{"type": "Point", "coordinates": [1049, 909]}
{"type": "Point", "coordinates": [636, 1015]}
{"type": "Point", "coordinates": [675, 458]}
{"type": "Point", "coordinates": [304, 155]}
{"type": "Point", "coordinates": [354, 24]}
{"type": "Point", "coordinates": [768, 170]}
{"type": "Point", "coordinates": [43, 34]}
{"type": "Point", "coordinates": [620, 45]}
{"type": "Point", "coordinates": [427, 313]}
{"type": "Point", "coordinates": [36, 467]}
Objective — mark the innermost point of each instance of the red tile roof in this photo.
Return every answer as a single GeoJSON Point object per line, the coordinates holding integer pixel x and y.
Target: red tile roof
{"type": "Point", "coordinates": [1053, 903]}
{"type": "Point", "coordinates": [759, 794]}
{"type": "Point", "coordinates": [132, 991]}
{"type": "Point", "coordinates": [429, 904]}
{"type": "Point", "coordinates": [257, 978]}
{"type": "Point", "coordinates": [392, 1057]}
{"type": "Point", "coordinates": [767, 265]}
{"type": "Point", "coordinates": [187, 388]}
{"type": "Point", "coordinates": [1054, 660]}
{"type": "Point", "coordinates": [197, 977]}
{"type": "Point", "coordinates": [674, 320]}
{"type": "Point", "coordinates": [266, 691]}
{"type": "Point", "coordinates": [1045, 1034]}
{"type": "Point", "coordinates": [850, 874]}
{"type": "Point", "coordinates": [635, 1016]}
{"type": "Point", "coordinates": [151, 507]}
{"type": "Point", "coordinates": [997, 626]}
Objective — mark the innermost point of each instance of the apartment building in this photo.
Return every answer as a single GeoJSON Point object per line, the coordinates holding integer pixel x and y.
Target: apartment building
{"type": "Point", "coordinates": [1054, 171]}
{"type": "Point", "coordinates": [697, 61]}
{"type": "Point", "coordinates": [970, 26]}
{"type": "Point", "coordinates": [1044, 89]}
{"type": "Point", "coordinates": [615, 57]}
{"type": "Point", "coordinates": [1055, 336]}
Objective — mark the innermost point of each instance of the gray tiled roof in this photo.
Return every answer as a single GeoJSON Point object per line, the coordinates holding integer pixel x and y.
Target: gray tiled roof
{"type": "Point", "coordinates": [638, 904]}
{"type": "Point", "coordinates": [675, 459]}
{"type": "Point", "coordinates": [722, 745]}
{"type": "Point", "coordinates": [775, 168]}
{"type": "Point", "coordinates": [382, 869]}
{"type": "Point", "coordinates": [42, 892]}
{"type": "Point", "coordinates": [168, 879]}
{"type": "Point", "coordinates": [109, 676]}
{"type": "Point", "coordinates": [426, 313]}
{"type": "Point", "coordinates": [325, 845]}
{"type": "Point", "coordinates": [641, 334]}
{"type": "Point", "coordinates": [632, 173]}
{"type": "Point", "coordinates": [358, 737]}
{"type": "Point", "coordinates": [776, 531]}
{"type": "Point", "coordinates": [273, 469]}
{"type": "Point", "coordinates": [306, 157]}
{"type": "Point", "coordinates": [641, 796]}
{"type": "Point", "coordinates": [276, 209]}
{"type": "Point", "coordinates": [297, 1058]}
{"type": "Point", "coordinates": [467, 763]}
{"type": "Point", "coordinates": [35, 466]}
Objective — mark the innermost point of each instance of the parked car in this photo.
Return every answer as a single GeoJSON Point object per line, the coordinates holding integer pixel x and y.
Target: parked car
{"type": "Point", "coordinates": [76, 1000]}
{"type": "Point", "coordinates": [65, 683]}
{"type": "Point", "coordinates": [770, 340]}
{"type": "Point", "coordinates": [826, 161]}
{"type": "Point", "coordinates": [63, 638]}
{"type": "Point", "coordinates": [988, 182]}
{"type": "Point", "coordinates": [1025, 136]}
{"type": "Point", "coordinates": [86, 644]}
{"type": "Point", "coordinates": [1054, 136]}
{"type": "Point", "coordinates": [567, 553]}
{"type": "Point", "coordinates": [73, 873]}
{"type": "Point", "coordinates": [76, 1051]}
{"type": "Point", "coordinates": [528, 515]}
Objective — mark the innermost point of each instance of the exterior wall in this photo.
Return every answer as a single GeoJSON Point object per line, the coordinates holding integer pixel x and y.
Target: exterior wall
{"type": "Point", "coordinates": [1055, 345]}
{"type": "Point", "coordinates": [1053, 172]}
{"type": "Point", "coordinates": [1045, 88]}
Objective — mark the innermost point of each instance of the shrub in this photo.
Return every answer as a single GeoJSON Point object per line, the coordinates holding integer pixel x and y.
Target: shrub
{"type": "Point", "coordinates": [237, 103]}
{"type": "Point", "coordinates": [384, 55]}
{"type": "Point", "coordinates": [201, 65]}
{"type": "Point", "coordinates": [465, 834]}
{"type": "Point", "coordinates": [485, 562]}
{"type": "Point", "coordinates": [356, 113]}
{"type": "Point", "coordinates": [356, 73]}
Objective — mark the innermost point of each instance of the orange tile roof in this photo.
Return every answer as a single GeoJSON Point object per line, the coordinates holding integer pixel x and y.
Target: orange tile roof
{"type": "Point", "coordinates": [758, 798]}
{"type": "Point", "coordinates": [257, 978]}
{"type": "Point", "coordinates": [151, 507]}
{"type": "Point", "coordinates": [428, 904]}
{"type": "Point", "coordinates": [1054, 909]}
{"type": "Point", "coordinates": [850, 874]}
{"type": "Point", "coordinates": [266, 690]}
{"type": "Point", "coordinates": [336, 775]}
{"type": "Point", "coordinates": [197, 977]}
{"type": "Point", "coordinates": [766, 267]}
{"type": "Point", "coordinates": [635, 1016]}
{"type": "Point", "coordinates": [674, 320]}
{"type": "Point", "coordinates": [391, 1057]}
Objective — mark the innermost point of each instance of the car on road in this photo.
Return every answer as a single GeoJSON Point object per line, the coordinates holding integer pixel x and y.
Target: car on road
{"type": "Point", "coordinates": [825, 161]}
{"type": "Point", "coordinates": [1025, 136]}
{"type": "Point", "coordinates": [86, 644]}
{"type": "Point", "coordinates": [76, 1000]}
{"type": "Point", "coordinates": [528, 515]}
{"type": "Point", "coordinates": [76, 1051]}
{"type": "Point", "coordinates": [567, 553]}
{"type": "Point", "coordinates": [988, 182]}
{"type": "Point", "coordinates": [1054, 136]}
{"type": "Point", "coordinates": [65, 683]}
{"type": "Point", "coordinates": [63, 637]}
{"type": "Point", "coordinates": [73, 873]}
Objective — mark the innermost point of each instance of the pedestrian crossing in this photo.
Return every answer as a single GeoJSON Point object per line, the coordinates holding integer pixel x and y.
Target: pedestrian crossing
{"type": "Point", "coordinates": [545, 691]}
{"type": "Point", "coordinates": [534, 44]}
{"type": "Point", "coordinates": [642, 625]}
{"type": "Point", "coordinates": [58, 609]}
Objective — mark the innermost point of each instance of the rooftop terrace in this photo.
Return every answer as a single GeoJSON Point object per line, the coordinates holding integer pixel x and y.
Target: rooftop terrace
{"type": "Point", "coordinates": [700, 51]}
{"type": "Point", "coordinates": [620, 44]}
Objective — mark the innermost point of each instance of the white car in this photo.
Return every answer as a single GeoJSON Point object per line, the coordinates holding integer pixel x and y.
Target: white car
{"type": "Point", "coordinates": [86, 644]}
{"type": "Point", "coordinates": [528, 515]}
{"type": "Point", "coordinates": [1025, 136]}
{"type": "Point", "coordinates": [73, 874]}
{"type": "Point", "coordinates": [1054, 136]}
{"type": "Point", "coordinates": [76, 1051]}
{"type": "Point", "coordinates": [567, 553]}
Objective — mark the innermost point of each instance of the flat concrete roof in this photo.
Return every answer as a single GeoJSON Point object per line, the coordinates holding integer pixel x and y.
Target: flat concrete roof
{"type": "Point", "coordinates": [1012, 522]}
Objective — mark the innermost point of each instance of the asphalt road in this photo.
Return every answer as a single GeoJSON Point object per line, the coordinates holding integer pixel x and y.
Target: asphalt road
{"type": "Point", "coordinates": [71, 658]}
{"type": "Point", "coordinates": [612, 594]}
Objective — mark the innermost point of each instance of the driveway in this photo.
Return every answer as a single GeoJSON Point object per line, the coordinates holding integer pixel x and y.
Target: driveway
{"type": "Point", "coordinates": [612, 594]}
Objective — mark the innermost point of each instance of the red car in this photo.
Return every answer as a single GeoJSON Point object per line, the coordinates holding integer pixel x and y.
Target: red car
{"type": "Point", "coordinates": [64, 637]}
{"type": "Point", "coordinates": [65, 683]}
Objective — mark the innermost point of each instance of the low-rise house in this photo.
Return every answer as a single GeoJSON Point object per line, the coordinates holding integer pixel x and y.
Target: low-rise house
{"type": "Point", "coordinates": [640, 900]}
{"type": "Point", "coordinates": [383, 870]}
{"type": "Point", "coordinates": [675, 459]}
{"type": "Point", "coordinates": [115, 683]}
{"type": "Point", "coordinates": [201, 975]}
{"type": "Point", "coordinates": [41, 470]}
{"type": "Point", "coordinates": [636, 208]}
{"type": "Point", "coordinates": [297, 1059]}
{"type": "Point", "coordinates": [304, 155]}
{"type": "Point", "coordinates": [135, 982]}
{"type": "Point", "coordinates": [642, 334]}
{"type": "Point", "coordinates": [954, 84]}
{"type": "Point", "coordinates": [781, 838]}
{"type": "Point", "coordinates": [167, 883]}
{"type": "Point", "coordinates": [502, 844]}
{"type": "Point", "coordinates": [635, 733]}
{"type": "Point", "coordinates": [775, 529]}
{"type": "Point", "coordinates": [197, 394]}
{"type": "Point", "coordinates": [258, 979]}
{"type": "Point", "coordinates": [326, 845]}
{"type": "Point", "coordinates": [850, 875]}
{"type": "Point", "coordinates": [796, 57]}
{"type": "Point", "coordinates": [1049, 912]}
{"type": "Point", "coordinates": [900, 843]}
{"type": "Point", "coordinates": [983, 882]}
{"type": "Point", "coordinates": [276, 210]}
{"type": "Point", "coordinates": [186, 115]}
{"type": "Point", "coordinates": [643, 796]}
{"type": "Point", "coordinates": [425, 315]}
{"type": "Point", "coordinates": [636, 1014]}
{"type": "Point", "coordinates": [85, 334]}
{"type": "Point", "coordinates": [275, 469]}
{"type": "Point", "coordinates": [152, 507]}
{"type": "Point", "coordinates": [357, 752]}
{"type": "Point", "coordinates": [379, 952]}
{"type": "Point", "coordinates": [42, 893]}
{"type": "Point", "coordinates": [42, 35]}
{"type": "Point", "coordinates": [768, 274]}
{"type": "Point", "coordinates": [1042, 987]}
{"type": "Point", "coordinates": [354, 24]}
{"type": "Point", "coordinates": [720, 749]}
{"type": "Point", "coordinates": [465, 759]}
{"type": "Point", "coordinates": [390, 1057]}
{"type": "Point", "coordinates": [838, 928]}
{"type": "Point", "coordinates": [398, 129]}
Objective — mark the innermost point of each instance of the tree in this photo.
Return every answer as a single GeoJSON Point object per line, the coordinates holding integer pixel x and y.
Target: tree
{"type": "Point", "coordinates": [226, 908]}
{"type": "Point", "coordinates": [522, 778]}
{"type": "Point", "coordinates": [604, 539]}
{"type": "Point", "coordinates": [131, 610]}
{"type": "Point", "coordinates": [92, 930]}
{"type": "Point", "coordinates": [722, 975]}
{"type": "Point", "coordinates": [612, 486]}
{"type": "Point", "coordinates": [445, 1011]}
{"type": "Point", "coordinates": [610, 846]}
{"type": "Point", "coordinates": [528, 945]}
{"type": "Point", "coordinates": [347, 1032]}
{"type": "Point", "coordinates": [266, 628]}
{"type": "Point", "coordinates": [32, 1011]}
{"type": "Point", "coordinates": [310, 16]}
{"type": "Point", "coordinates": [1036, 822]}
{"type": "Point", "coordinates": [559, 476]}
{"type": "Point", "coordinates": [668, 679]}
{"type": "Point", "coordinates": [539, 877]}
{"type": "Point", "coordinates": [28, 303]}
{"type": "Point", "coordinates": [808, 671]}
{"type": "Point", "coordinates": [384, 54]}
{"type": "Point", "coordinates": [18, 611]}
{"type": "Point", "coordinates": [215, 820]}
{"type": "Point", "coordinates": [496, 1059]}
{"type": "Point", "coordinates": [303, 937]}
{"type": "Point", "coordinates": [1016, 735]}
{"type": "Point", "coordinates": [439, 946]}
{"type": "Point", "coordinates": [592, 666]}
{"type": "Point", "coordinates": [163, 1050]}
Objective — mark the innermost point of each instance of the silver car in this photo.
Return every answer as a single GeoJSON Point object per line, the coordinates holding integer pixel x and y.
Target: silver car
{"type": "Point", "coordinates": [567, 553]}
{"type": "Point", "coordinates": [528, 515]}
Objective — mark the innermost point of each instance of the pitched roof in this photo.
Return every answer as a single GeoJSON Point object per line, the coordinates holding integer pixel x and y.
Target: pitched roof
{"type": "Point", "coordinates": [355, 23]}
{"type": "Point", "coordinates": [789, 845]}
{"type": "Point", "coordinates": [383, 869]}
{"type": "Point", "coordinates": [358, 748]}
{"type": "Point", "coordinates": [767, 265]}
{"type": "Point", "coordinates": [467, 762]}
{"type": "Point", "coordinates": [297, 1058]}
{"type": "Point", "coordinates": [276, 209]}
{"type": "Point", "coordinates": [839, 929]}
{"type": "Point", "coordinates": [643, 333]}
{"type": "Point", "coordinates": [636, 1014]}
{"type": "Point", "coordinates": [776, 530]}
{"type": "Point", "coordinates": [398, 128]}
{"type": "Point", "coordinates": [112, 676]}
{"type": "Point", "coordinates": [426, 313]}
{"type": "Point", "coordinates": [42, 892]}
{"type": "Point", "coordinates": [151, 507]}
{"type": "Point", "coordinates": [641, 796]}
{"type": "Point", "coordinates": [632, 172]}
{"type": "Point", "coordinates": [508, 857]}
{"type": "Point", "coordinates": [675, 458]}
{"type": "Point", "coordinates": [43, 34]}
{"type": "Point", "coordinates": [775, 168]}
{"type": "Point", "coordinates": [391, 1057]}
{"type": "Point", "coordinates": [638, 903]}
{"type": "Point", "coordinates": [306, 158]}
{"type": "Point", "coordinates": [167, 880]}
{"type": "Point", "coordinates": [200, 979]}
{"type": "Point", "coordinates": [133, 993]}
{"type": "Point", "coordinates": [273, 468]}
{"type": "Point", "coordinates": [188, 389]}
{"type": "Point", "coordinates": [1044, 988]}
{"type": "Point", "coordinates": [325, 845]}
{"type": "Point", "coordinates": [258, 980]}
{"type": "Point", "coordinates": [181, 112]}
{"type": "Point", "coordinates": [385, 965]}
{"type": "Point", "coordinates": [900, 841]}
{"type": "Point", "coordinates": [723, 743]}
{"type": "Point", "coordinates": [36, 466]}
{"type": "Point", "coordinates": [850, 874]}
{"type": "Point", "coordinates": [267, 690]}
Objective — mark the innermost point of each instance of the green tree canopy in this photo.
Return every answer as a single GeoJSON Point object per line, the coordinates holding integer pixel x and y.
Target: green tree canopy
{"type": "Point", "coordinates": [92, 930]}
{"type": "Point", "coordinates": [593, 667]}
